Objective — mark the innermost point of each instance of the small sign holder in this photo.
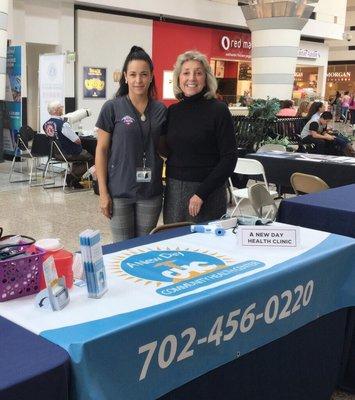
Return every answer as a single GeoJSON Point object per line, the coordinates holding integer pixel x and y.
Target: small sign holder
{"type": "Point", "coordinates": [269, 236]}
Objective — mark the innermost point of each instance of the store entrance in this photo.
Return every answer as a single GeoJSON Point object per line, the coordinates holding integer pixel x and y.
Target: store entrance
{"type": "Point", "coordinates": [234, 79]}
{"type": "Point", "coordinates": [305, 84]}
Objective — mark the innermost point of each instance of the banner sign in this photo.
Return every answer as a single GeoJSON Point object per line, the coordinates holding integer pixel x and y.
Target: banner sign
{"type": "Point", "coordinates": [13, 100]}
{"type": "Point", "coordinates": [51, 83]}
{"type": "Point", "coordinates": [94, 82]}
{"type": "Point", "coordinates": [178, 308]}
{"type": "Point", "coordinates": [307, 53]}
{"type": "Point", "coordinates": [231, 45]}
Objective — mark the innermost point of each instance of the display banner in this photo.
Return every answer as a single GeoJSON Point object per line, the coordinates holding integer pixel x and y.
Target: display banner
{"type": "Point", "coordinates": [51, 83]}
{"type": "Point", "coordinates": [94, 82]}
{"type": "Point", "coordinates": [230, 45]}
{"type": "Point", "coordinates": [13, 100]}
{"type": "Point", "coordinates": [178, 308]}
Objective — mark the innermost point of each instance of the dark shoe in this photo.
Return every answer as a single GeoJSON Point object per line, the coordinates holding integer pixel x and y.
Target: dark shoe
{"type": "Point", "coordinates": [77, 185]}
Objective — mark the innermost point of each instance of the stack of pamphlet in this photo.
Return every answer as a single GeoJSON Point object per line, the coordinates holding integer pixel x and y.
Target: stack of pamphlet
{"type": "Point", "coordinates": [91, 251]}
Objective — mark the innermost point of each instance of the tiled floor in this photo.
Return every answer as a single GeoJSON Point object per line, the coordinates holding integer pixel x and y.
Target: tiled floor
{"type": "Point", "coordinates": [51, 213]}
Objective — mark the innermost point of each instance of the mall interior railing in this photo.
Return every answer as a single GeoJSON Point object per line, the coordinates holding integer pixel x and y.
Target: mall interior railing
{"type": "Point", "coordinates": [250, 133]}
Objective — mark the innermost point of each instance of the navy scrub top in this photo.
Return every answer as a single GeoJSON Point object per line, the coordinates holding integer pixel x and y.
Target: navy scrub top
{"type": "Point", "coordinates": [119, 118]}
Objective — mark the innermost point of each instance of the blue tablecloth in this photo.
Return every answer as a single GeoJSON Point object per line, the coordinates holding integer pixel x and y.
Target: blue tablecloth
{"type": "Point", "coordinates": [31, 368]}
{"type": "Point", "coordinates": [294, 314]}
{"type": "Point", "coordinates": [146, 353]}
{"type": "Point", "coordinates": [331, 210]}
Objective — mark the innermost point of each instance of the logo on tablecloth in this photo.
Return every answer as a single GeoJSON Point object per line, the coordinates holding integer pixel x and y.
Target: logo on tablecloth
{"type": "Point", "coordinates": [178, 271]}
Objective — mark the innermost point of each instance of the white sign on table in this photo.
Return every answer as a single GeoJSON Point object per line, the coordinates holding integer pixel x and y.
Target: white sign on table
{"type": "Point", "coordinates": [269, 236]}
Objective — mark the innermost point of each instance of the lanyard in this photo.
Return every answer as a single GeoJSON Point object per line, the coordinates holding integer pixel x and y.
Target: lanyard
{"type": "Point", "coordinates": [144, 138]}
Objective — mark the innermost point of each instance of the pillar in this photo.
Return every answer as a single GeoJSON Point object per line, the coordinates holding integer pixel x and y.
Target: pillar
{"type": "Point", "coordinates": [4, 7]}
{"type": "Point", "coordinates": [275, 32]}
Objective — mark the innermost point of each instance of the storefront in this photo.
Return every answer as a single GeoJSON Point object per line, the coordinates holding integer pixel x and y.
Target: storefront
{"type": "Point", "coordinates": [306, 83]}
{"type": "Point", "coordinates": [341, 78]}
{"type": "Point", "coordinates": [311, 69]}
{"type": "Point", "coordinates": [229, 54]}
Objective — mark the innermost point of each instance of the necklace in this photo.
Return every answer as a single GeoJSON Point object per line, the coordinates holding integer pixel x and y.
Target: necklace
{"type": "Point", "coordinates": [142, 117]}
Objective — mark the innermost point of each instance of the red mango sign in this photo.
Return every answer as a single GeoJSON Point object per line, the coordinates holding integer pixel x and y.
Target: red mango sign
{"type": "Point", "coordinates": [231, 45]}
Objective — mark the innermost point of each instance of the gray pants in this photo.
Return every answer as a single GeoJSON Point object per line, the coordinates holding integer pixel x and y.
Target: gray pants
{"type": "Point", "coordinates": [177, 197]}
{"type": "Point", "coordinates": [134, 218]}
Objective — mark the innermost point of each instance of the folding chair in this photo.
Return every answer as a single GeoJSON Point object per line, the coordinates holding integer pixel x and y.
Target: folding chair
{"type": "Point", "coordinates": [304, 183]}
{"type": "Point", "coordinates": [40, 148]}
{"type": "Point", "coordinates": [271, 147]}
{"type": "Point", "coordinates": [250, 167]}
{"type": "Point", "coordinates": [260, 198]}
{"type": "Point", "coordinates": [57, 156]}
{"type": "Point", "coordinates": [166, 227]}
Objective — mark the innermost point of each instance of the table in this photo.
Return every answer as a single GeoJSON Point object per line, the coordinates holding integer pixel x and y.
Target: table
{"type": "Point", "coordinates": [153, 332]}
{"type": "Point", "coordinates": [332, 210]}
{"type": "Point", "coordinates": [89, 144]}
{"type": "Point", "coordinates": [31, 367]}
{"type": "Point", "coordinates": [279, 166]}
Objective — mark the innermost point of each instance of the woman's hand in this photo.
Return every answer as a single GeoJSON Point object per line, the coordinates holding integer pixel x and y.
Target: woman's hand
{"type": "Point", "coordinates": [195, 205]}
{"type": "Point", "coordinates": [106, 205]}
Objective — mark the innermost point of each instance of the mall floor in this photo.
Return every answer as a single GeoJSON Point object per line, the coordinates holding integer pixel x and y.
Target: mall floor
{"type": "Point", "coordinates": [51, 213]}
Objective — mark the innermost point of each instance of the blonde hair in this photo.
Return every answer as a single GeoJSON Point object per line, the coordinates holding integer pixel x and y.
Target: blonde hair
{"type": "Point", "coordinates": [303, 108]}
{"type": "Point", "coordinates": [211, 82]}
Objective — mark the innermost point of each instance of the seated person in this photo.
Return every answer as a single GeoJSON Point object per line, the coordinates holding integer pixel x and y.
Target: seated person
{"type": "Point", "coordinates": [70, 144]}
{"type": "Point", "coordinates": [287, 109]}
{"type": "Point", "coordinates": [316, 132]}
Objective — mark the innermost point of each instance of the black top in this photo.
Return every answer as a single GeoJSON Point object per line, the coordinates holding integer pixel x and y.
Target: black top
{"type": "Point", "coordinates": [119, 118]}
{"type": "Point", "coordinates": [201, 143]}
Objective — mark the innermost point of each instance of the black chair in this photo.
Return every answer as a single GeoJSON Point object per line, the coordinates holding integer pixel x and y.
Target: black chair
{"type": "Point", "coordinates": [249, 134]}
{"type": "Point", "coordinates": [40, 148]}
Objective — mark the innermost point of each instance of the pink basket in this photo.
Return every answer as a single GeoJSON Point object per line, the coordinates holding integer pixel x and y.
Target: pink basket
{"type": "Point", "coordinates": [19, 276]}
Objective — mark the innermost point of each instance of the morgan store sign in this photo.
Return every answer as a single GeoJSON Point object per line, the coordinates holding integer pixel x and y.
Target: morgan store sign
{"type": "Point", "coordinates": [231, 45]}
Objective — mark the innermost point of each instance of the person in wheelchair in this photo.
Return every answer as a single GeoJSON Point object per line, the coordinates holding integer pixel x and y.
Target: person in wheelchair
{"type": "Point", "coordinates": [70, 145]}
{"type": "Point", "coordinates": [325, 142]}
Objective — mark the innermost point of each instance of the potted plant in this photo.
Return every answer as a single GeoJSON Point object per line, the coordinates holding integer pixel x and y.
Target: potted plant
{"type": "Point", "coordinates": [264, 109]}
{"type": "Point", "coordinates": [284, 141]}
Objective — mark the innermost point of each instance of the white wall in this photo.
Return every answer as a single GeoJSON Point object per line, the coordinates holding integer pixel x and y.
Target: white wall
{"type": "Point", "coordinates": [32, 52]}
{"type": "Point", "coordinates": [323, 51]}
{"type": "Point", "coordinates": [196, 10]}
{"type": "Point", "coordinates": [104, 40]}
{"type": "Point", "coordinates": [228, 14]}
{"type": "Point", "coordinates": [43, 22]}
{"type": "Point", "coordinates": [339, 49]}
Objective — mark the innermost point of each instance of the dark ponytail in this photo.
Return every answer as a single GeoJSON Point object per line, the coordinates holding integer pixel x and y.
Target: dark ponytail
{"type": "Point", "coordinates": [136, 53]}
{"type": "Point", "coordinates": [314, 108]}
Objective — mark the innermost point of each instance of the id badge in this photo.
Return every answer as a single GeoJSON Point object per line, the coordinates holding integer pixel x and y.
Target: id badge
{"type": "Point", "coordinates": [143, 175]}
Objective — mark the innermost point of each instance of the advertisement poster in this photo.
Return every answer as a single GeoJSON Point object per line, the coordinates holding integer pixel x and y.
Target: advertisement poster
{"type": "Point", "coordinates": [168, 91]}
{"type": "Point", "coordinates": [51, 83]}
{"type": "Point", "coordinates": [94, 82]}
{"type": "Point", "coordinates": [13, 104]}
{"type": "Point", "coordinates": [244, 72]}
